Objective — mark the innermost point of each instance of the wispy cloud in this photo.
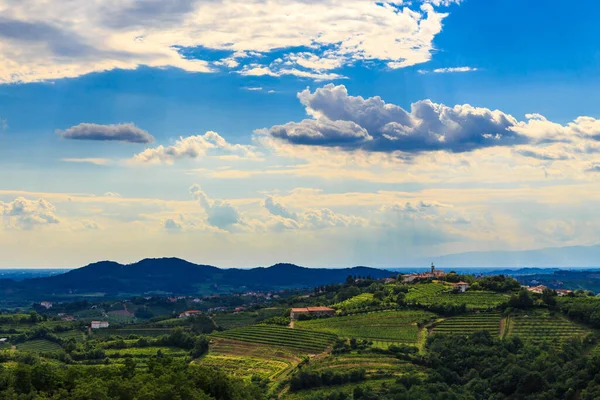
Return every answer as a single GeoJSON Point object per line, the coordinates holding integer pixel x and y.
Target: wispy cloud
{"type": "Point", "coordinates": [95, 161]}
{"type": "Point", "coordinates": [448, 70]}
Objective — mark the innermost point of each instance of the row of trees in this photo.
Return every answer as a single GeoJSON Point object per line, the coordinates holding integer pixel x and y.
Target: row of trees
{"type": "Point", "coordinates": [163, 379]}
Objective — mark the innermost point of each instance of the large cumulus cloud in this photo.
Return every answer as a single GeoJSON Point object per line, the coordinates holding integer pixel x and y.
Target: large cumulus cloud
{"type": "Point", "coordinates": [355, 123]}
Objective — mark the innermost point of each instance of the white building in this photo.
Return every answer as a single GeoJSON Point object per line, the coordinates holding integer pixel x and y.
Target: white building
{"type": "Point", "coordinates": [46, 304]}
{"type": "Point", "coordinates": [461, 286]}
{"type": "Point", "coordinates": [99, 324]}
{"type": "Point", "coordinates": [190, 313]}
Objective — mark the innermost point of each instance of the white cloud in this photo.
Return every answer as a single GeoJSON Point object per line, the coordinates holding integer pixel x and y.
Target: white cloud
{"type": "Point", "coordinates": [49, 40]}
{"type": "Point", "coordinates": [89, 160]}
{"type": "Point", "coordinates": [353, 123]}
{"type": "Point", "coordinates": [211, 144]}
{"type": "Point", "coordinates": [173, 225]}
{"type": "Point", "coordinates": [119, 132]}
{"type": "Point", "coordinates": [449, 70]}
{"type": "Point", "coordinates": [308, 219]}
{"type": "Point", "coordinates": [220, 214]}
{"type": "Point", "coordinates": [277, 209]}
{"type": "Point", "coordinates": [89, 224]}
{"type": "Point", "coordinates": [26, 214]}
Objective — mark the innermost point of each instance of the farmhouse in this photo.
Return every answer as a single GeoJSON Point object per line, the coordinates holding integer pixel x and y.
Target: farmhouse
{"type": "Point", "coordinates": [99, 324]}
{"type": "Point", "coordinates": [461, 286]}
{"type": "Point", "coordinates": [46, 304]}
{"type": "Point", "coordinates": [189, 313]}
{"type": "Point", "coordinates": [563, 292]}
{"type": "Point", "coordinates": [537, 289]}
{"type": "Point", "coordinates": [312, 311]}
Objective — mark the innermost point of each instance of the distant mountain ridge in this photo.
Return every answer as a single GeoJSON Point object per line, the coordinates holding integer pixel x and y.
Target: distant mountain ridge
{"type": "Point", "coordinates": [174, 275]}
{"type": "Point", "coordinates": [553, 257]}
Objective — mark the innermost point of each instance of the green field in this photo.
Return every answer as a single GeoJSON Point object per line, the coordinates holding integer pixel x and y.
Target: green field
{"type": "Point", "coordinates": [145, 352]}
{"type": "Point", "coordinates": [120, 319]}
{"type": "Point", "coordinates": [428, 294]}
{"type": "Point", "coordinates": [303, 340]}
{"type": "Point", "coordinates": [153, 332]}
{"type": "Point", "coordinates": [385, 326]}
{"type": "Point", "coordinates": [244, 366]}
{"type": "Point", "coordinates": [356, 302]}
{"type": "Point", "coordinates": [543, 326]}
{"type": "Point", "coordinates": [370, 362]}
{"type": "Point", "coordinates": [244, 318]}
{"type": "Point", "coordinates": [347, 389]}
{"type": "Point", "coordinates": [77, 335]}
{"type": "Point", "coordinates": [469, 323]}
{"type": "Point", "coordinates": [39, 346]}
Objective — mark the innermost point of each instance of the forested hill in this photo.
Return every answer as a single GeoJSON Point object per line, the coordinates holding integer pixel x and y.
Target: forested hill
{"type": "Point", "coordinates": [173, 275]}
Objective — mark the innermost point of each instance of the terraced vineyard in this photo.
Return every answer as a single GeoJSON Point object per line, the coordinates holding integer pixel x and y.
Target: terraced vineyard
{"type": "Point", "coordinates": [370, 362]}
{"type": "Point", "coordinates": [40, 346]}
{"type": "Point", "coordinates": [362, 300]}
{"type": "Point", "coordinates": [245, 318]}
{"type": "Point", "coordinates": [386, 326]}
{"type": "Point", "coordinates": [347, 389]}
{"type": "Point", "coordinates": [311, 342]}
{"type": "Point", "coordinates": [470, 323]}
{"type": "Point", "coordinates": [77, 335]}
{"type": "Point", "coordinates": [244, 366]}
{"type": "Point", "coordinates": [440, 294]}
{"type": "Point", "coordinates": [153, 332]}
{"type": "Point", "coordinates": [145, 352]}
{"type": "Point", "coordinates": [225, 354]}
{"type": "Point", "coordinates": [543, 326]}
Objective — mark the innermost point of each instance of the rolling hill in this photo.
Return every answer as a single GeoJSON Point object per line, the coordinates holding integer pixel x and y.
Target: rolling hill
{"type": "Point", "coordinates": [173, 275]}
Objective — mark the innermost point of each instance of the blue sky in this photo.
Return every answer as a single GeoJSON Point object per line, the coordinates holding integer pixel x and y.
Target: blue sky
{"type": "Point", "coordinates": [323, 133]}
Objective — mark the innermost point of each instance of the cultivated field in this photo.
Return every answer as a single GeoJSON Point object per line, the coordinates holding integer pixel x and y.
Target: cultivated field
{"type": "Point", "coordinates": [77, 335]}
{"type": "Point", "coordinates": [470, 323]}
{"type": "Point", "coordinates": [370, 362]}
{"type": "Point", "coordinates": [347, 389]}
{"type": "Point", "coordinates": [152, 332]}
{"type": "Point", "coordinates": [244, 366]}
{"type": "Point", "coordinates": [356, 302]}
{"type": "Point", "coordinates": [543, 326]}
{"type": "Point", "coordinates": [39, 346]}
{"type": "Point", "coordinates": [244, 318]}
{"type": "Point", "coordinates": [145, 352]}
{"type": "Point", "coordinates": [386, 326]}
{"type": "Point", "coordinates": [440, 294]}
{"type": "Point", "coordinates": [303, 340]}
